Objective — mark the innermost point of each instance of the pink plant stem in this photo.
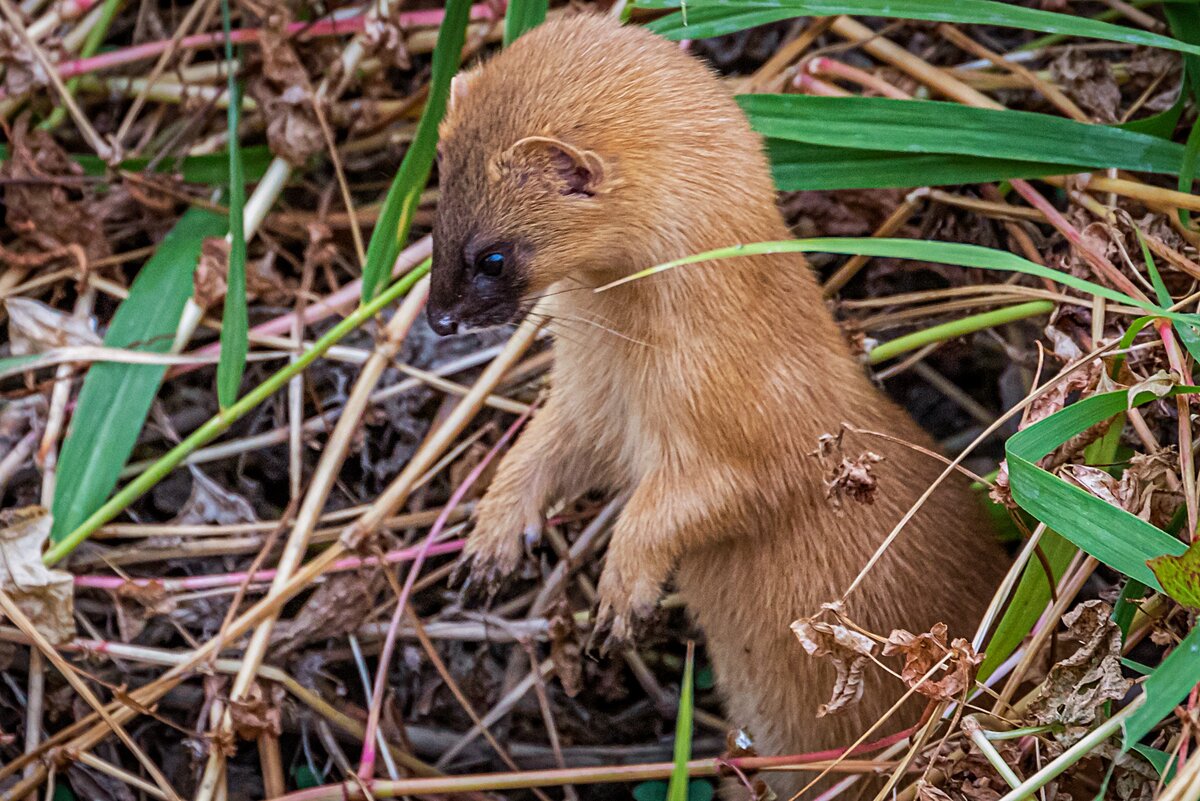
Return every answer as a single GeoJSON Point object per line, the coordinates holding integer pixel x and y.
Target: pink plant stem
{"type": "Point", "coordinates": [366, 765]}
{"type": "Point", "coordinates": [829, 66]}
{"type": "Point", "coordinates": [815, 86]}
{"type": "Point", "coordinates": [329, 26]}
{"type": "Point", "coordinates": [77, 8]}
{"type": "Point", "coordinates": [1187, 464]}
{"type": "Point", "coordinates": [326, 307]}
{"type": "Point", "coordinates": [561, 776]}
{"type": "Point", "coordinates": [117, 584]}
{"type": "Point", "coordinates": [1102, 265]}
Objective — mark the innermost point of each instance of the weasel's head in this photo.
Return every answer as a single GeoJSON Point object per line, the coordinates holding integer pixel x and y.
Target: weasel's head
{"type": "Point", "coordinates": [517, 212]}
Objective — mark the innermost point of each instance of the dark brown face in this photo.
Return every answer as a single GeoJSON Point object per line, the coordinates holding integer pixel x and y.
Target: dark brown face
{"type": "Point", "coordinates": [477, 282]}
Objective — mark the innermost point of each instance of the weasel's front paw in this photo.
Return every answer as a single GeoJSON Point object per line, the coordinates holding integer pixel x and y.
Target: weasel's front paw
{"type": "Point", "coordinates": [628, 598]}
{"type": "Point", "coordinates": [493, 549]}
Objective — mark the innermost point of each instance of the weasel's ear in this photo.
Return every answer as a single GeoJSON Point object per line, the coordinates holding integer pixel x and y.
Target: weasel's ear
{"type": "Point", "coordinates": [577, 172]}
{"type": "Point", "coordinates": [459, 85]}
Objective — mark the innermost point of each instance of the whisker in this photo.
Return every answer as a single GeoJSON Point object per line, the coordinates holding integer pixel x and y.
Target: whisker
{"type": "Point", "coordinates": [565, 318]}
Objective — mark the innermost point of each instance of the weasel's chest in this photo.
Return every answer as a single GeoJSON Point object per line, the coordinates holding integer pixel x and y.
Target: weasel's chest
{"type": "Point", "coordinates": [625, 411]}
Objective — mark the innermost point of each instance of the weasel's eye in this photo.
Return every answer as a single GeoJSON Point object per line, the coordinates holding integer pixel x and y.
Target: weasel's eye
{"type": "Point", "coordinates": [490, 264]}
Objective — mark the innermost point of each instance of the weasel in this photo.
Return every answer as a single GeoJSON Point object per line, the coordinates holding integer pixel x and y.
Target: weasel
{"type": "Point", "coordinates": [589, 150]}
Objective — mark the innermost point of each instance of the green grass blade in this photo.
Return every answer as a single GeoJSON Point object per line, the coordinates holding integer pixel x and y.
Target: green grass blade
{"type": "Point", "coordinates": [957, 328]}
{"type": "Point", "coordinates": [677, 787]}
{"type": "Point", "coordinates": [220, 423]}
{"type": "Point", "coordinates": [1184, 20]}
{"type": "Point", "coordinates": [1034, 590]}
{"type": "Point", "coordinates": [211, 169]}
{"type": "Point", "coordinates": [235, 321]}
{"type": "Point", "coordinates": [1161, 760]}
{"type": "Point", "coordinates": [1121, 540]}
{"type": "Point", "coordinates": [953, 253]}
{"type": "Point", "coordinates": [705, 22]}
{"type": "Point", "coordinates": [401, 203]}
{"type": "Point", "coordinates": [12, 364]}
{"type": "Point", "coordinates": [797, 166]}
{"type": "Point", "coordinates": [935, 127]}
{"type": "Point", "coordinates": [976, 12]}
{"type": "Point", "coordinates": [1028, 601]}
{"type": "Point", "coordinates": [115, 398]}
{"type": "Point", "coordinates": [523, 15]}
{"type": "Point", "coordinates": [1166, 687]}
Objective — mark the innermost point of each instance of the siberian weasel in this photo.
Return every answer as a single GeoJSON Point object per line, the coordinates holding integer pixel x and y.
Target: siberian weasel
{"type": "Point", "coordinates": [582, 153]}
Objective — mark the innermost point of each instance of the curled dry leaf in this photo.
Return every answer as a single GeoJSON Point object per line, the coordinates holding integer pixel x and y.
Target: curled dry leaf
{"type": "Point", "coordinates": [209, 502]}
{"type": "Point", "coordinates": [929, 792]}
{"type": "Point", "coordinates": [285, 96]}
{"type": "Point", "coordinates": [922, 652]}
{"type": "Point", "coordinates": [1055, 398]}
{"type": "Point", "coordinates": [34, 327]}
{"type": "Point", "coordinates": [1080, 684]}
{"type": "Point", "coordinates": [1158, 385]}
{"type": "Point", "coordinates": [1149, 487]}
{"type": "Point", "coordinates": [45, 212]}
{"type": "Point", "coordinates": [384, 36]}
{"type": "Point", "coordinates": [846, 477]}
{"type": "Point", "coordinates": [45, 596]}
{"type": "Point", "coordinates": [565, 649]}
{"type": "Point", "coordinates": [208, 282]}
{"type": "Point", "coordinates": [258, 713]}
{"type": "Point", "coordinates": [1001, 491]}
{"type": "Point", "coordinates": [334, 610]}
{"type": "Point", "coordinates": [849, 651]}
{"type": "Point", "coordinates": [23, 72]}
{"type": "Point", "coordinates": [138, 603]}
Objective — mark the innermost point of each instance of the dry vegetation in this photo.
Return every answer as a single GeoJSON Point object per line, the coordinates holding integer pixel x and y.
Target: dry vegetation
{"type": "Point", "coordinates": [305, 533]}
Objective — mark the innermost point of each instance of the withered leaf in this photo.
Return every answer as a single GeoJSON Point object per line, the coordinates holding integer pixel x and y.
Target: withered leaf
{"type": "Point", "coordinates": [922, 652]}
{"type": "Point", "coordinates": [208, 282]}
{"type": "Point", "coordinates": [1079, 685]}
{"type": "Point", "coordinates": [1180, 575]}
{"type": "Point", "coordinates": [849, 651]}
{"type": "Point", "coordinates": [1157, 385]}
{"type": "Point", "coordinates": [138, 603]}
{"type": "Point", "coordinates": [40, 209]}
{"type": "Point", "coordinates": [1149, 488]}
{"type": "Point", "coordinates": [34, 327]}
{"type": "Point", "coordinates": [22, 70]}
{"type": "Point", "coordinates": [332, 611]}
{"type": "Point", "coordinates": [285, 96]}
{"type": "Point", "coordinates": [257, 713]}
{"type": "Point", "coordinates": [209, 502]}
{"type": "Point", "coordinates": [565, 649]}
{"type": "Point", "coordinates": [47, 597]}
{"type": "Point", "coordinates": [929, 792]}
{"type": "Point", "coordinates": [1089, 81]}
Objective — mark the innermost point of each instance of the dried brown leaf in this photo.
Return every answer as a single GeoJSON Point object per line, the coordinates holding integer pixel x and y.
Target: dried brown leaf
{"type": "Point", "coordinates": [45, 212]}
{"type": "Point", "coordinates": [34, 327]}
{"type": "Point", "coordinates": [565, 649]}
{"type": "Point", "coordinates": [922, 652]}
{"type": "Point", "coordinates": [285, 96]}
{"type": "Point", "coordinates": [1089, 81]}
{"type": "Point", "coordinates": [1149, 487]}
{"type": "Point", "coordinates": [849, 651]}
{"type": "Point", "coordinates": [209, 502]}
{"type": "Point", "coordinates": [46, 596]}
{"type": "Point", "coordinates": [1079, 685]}
{"type": "Point", "coordinates": [257, 713]}
{"type": "Point", "coordinates": [208, 282]}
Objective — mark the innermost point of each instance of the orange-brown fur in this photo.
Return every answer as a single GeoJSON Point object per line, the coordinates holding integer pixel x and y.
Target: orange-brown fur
{"type": "Point", "coordinates": [705, 395]}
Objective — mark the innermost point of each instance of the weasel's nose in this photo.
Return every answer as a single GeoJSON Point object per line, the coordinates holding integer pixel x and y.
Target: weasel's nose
{"type": "Point", "coordinates": [443, 323]}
